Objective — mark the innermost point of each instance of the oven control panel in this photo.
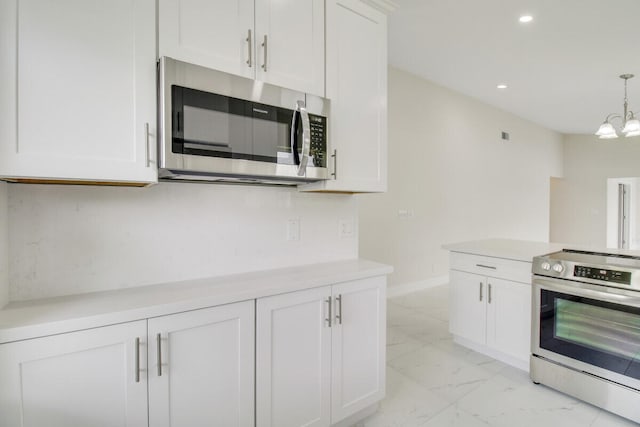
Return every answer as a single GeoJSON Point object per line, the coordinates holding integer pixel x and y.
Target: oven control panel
{"type": "Point", "coordinates": [622, 277]}
{"type": "Point", "coordinates": [597, 268]}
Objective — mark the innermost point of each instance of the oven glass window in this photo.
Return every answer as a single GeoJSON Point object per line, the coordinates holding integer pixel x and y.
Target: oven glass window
{"type": "Point", "coordinates": [599, 333]}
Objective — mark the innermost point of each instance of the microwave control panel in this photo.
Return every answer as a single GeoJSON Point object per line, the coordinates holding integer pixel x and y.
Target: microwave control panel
{"type": "Point", "coordinates": [318, 147]}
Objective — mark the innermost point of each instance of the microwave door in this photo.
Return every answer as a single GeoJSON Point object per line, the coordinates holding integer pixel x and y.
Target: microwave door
{"type": "Point", "coordinates": [211, 125]}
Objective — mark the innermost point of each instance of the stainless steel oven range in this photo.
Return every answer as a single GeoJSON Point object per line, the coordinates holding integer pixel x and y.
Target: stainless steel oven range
{"type": "Point", "coordinates": [586, 328]}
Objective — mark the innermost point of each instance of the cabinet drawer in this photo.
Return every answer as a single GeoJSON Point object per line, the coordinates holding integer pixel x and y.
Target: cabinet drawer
{"type": "Point", "coordinates": [518, 271]}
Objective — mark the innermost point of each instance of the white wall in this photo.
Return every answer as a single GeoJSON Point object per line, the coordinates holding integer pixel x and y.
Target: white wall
{"type": "Point", "coordinates": [579, 200]}
{"type": "Point", "coordinates": [4, 248]}
{"type": "Point", "coordinates": [74, 239]}
{"type": "Point", "coordinates": [455, 177]}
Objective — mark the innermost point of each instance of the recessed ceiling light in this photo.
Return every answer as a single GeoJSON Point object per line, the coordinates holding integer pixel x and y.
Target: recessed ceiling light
{"type": "Point", "coordinates": [502, 86]}
{"type": "Point", "coordinates": [525, 18]}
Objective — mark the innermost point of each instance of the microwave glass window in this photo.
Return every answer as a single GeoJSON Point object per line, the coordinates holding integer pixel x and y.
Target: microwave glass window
{"type": "Point", "coordinates": [270, 138]}
{"type": "Point", "coordinates": [206, 126]}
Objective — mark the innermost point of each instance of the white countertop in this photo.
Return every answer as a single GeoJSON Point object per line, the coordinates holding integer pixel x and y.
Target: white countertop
{"type": "Point", "coordinates": [30, 319]}
{"type": "Point", "coordinates": [518, 250]}
{"type": "Point", "coordinates": [524, 250]}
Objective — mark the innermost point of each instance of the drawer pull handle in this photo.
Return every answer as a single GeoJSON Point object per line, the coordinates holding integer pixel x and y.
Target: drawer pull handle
{"type": "Point", "coordinates": [480, 291]}
{"type": "Point", "coordinates": [486, 266]}
{"type": "Point", "coordinates": [489, 296]}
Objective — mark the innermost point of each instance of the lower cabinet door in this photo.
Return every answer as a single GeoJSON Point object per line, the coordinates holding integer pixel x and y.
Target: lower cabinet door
{"type": "Point", "coordinates": [358, 346]}
{"type": "Point", "coordinates": [293, 359]}
{"type": "Point", "coordinates": [95, 377]}
{"type": "Point", "coordinates": [509, 318]}
{"type": "Point", "coordinates": [201, 367]}
{"type": "Point", "coordinates": [467, 309]}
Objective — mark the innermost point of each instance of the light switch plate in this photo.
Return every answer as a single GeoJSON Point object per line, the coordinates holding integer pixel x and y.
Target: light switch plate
{"type": "Point", "coordinates": [293, 229]}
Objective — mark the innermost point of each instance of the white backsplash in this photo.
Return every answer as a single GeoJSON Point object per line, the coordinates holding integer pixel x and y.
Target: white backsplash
{"type": "Point", "coordinates": [75, 239]}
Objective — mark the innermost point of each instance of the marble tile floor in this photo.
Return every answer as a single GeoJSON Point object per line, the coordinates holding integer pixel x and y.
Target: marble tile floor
{"type": "Point", "coordinates": [433, 382]}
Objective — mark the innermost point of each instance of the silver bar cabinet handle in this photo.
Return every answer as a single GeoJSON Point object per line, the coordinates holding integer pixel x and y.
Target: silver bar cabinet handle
{"type": "Point", "coordinates": [339, 313]}
{"type": "Point", "coordinates": [264, 45]}
{"type": "Point", "coordinates": [146, 143]}
{"type": "Point", "coordinates": [248, 39]}
{"type": "Point", "coordinates": [137, 359]}
{"type": "Point", "coordinates": [328, 319]}
{"type": "Point", "coordinates": [489, 296]}
{"type": "Point", "coordinates": [159, 354]}
{"type": "Point", "coordinates": [335, 164]}
{"type": "Point", "coordinates": [486, 266]}
{"type": "Point", "coordinates": [480, 291]}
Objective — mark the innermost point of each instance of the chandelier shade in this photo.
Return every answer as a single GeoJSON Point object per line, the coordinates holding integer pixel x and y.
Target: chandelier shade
{"type": "Point", "coordinates": [630, 125]}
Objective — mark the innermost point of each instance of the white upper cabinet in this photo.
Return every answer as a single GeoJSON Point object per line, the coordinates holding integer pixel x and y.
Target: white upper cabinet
{"type": "Point", "coordinates": [357, 87]}
{"type": "Point", "coordinates": [290, 44]}
{"type": "Point", "coordinates": [277, 42]}
{"type": "Point", "coordinates": [214, 34]}
{"type": "Point", "coordinates": [78, 93]}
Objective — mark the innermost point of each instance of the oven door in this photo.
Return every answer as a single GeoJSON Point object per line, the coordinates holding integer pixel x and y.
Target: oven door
{"type": "Point", "coordinates": [589, 328]}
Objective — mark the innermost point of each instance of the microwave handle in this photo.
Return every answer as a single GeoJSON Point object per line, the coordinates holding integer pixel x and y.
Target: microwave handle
{"type": "Point", "coordinates": [306, 137]}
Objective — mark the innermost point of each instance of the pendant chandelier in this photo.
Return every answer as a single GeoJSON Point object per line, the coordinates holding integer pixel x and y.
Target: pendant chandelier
{"type": "Point", "coordinates": [630, 125]}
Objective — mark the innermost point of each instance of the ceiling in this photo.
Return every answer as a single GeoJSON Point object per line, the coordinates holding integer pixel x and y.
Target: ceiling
{"type": "Point", "coordinates": [561, 69]}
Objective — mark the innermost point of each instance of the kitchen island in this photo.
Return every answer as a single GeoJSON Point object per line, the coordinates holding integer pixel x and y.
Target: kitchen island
{"type": "Point", "coordinates": [490, 296]}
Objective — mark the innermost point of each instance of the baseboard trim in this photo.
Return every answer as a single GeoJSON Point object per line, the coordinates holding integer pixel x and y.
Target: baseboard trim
{"type": "Point", "coordinates": [407, 288]}
{"type": "Point", "coordinates": [522, 364]}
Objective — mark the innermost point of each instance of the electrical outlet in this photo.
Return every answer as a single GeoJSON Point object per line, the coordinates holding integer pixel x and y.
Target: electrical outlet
{"type": "Point", "coordinates": [346, 228]}
{"type": "Point", "coordinates": [405, 213]}
{"type": "Point", "coordinates": [293, 229]}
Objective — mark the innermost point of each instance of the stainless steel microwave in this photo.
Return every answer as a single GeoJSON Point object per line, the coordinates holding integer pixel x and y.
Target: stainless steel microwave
{"type": "Point", "coordinates": [215, 126]}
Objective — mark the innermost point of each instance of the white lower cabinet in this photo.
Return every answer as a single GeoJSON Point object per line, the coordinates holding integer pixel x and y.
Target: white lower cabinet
{"type": "Point", "coordinates": [200, 373]}
{"type": "Point", "coordinates": [320, 353]}
{"type": "Point", "coordinates": [305, 358]}
{"type": "Point", "coordinates": [293, 359]}
{"type": "Point", "coordinates": [509, 319]}
{"type": "Point", "coordinates": [95, 377]}
{"type": "Point", "coordinates": [201, 367]}
{"type": "Point", "coordinates": [492, 313]}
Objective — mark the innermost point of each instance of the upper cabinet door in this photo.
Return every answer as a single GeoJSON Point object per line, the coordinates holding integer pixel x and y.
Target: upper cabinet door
{"type": "Point", "coordinates": [214, 34]}
{"type": "Point", "coordinates": [290, 44]}
{"type": "Point", "coordinates": [78, 93]}
{"type": "Point", "coordinates": [357, 87]}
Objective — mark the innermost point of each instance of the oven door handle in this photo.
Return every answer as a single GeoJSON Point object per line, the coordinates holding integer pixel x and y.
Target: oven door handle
{"type": "Point", "coordinates": [612, 295]}
{"type": "Point", "coordinates": [300, 115]}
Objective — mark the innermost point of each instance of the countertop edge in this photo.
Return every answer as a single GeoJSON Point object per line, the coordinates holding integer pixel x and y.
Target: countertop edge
{"type": "Point", "coordinates": [516, 250]}
{"type": "Point", "coordinates": [38, 318]}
